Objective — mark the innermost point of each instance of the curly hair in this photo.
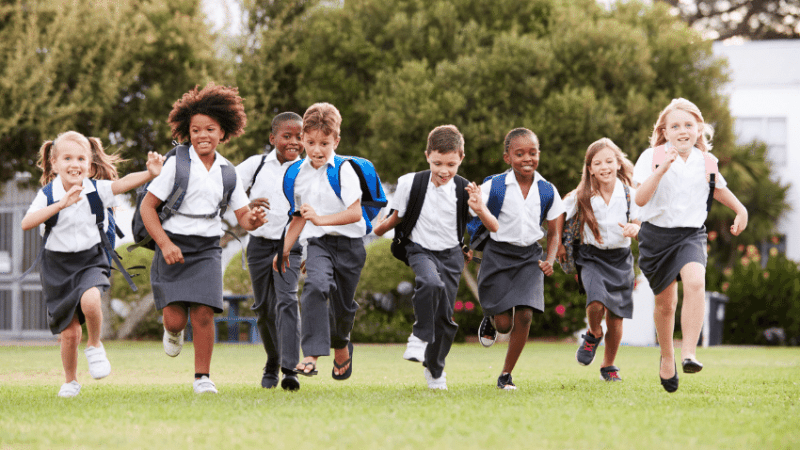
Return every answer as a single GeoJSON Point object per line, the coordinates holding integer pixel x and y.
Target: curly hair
{"type": "Point", "coordinates": [323, 117]}
{"type": "Point", "coordinates": [445, 139]}
{"type": "Point", "coordinates": [221, 103]}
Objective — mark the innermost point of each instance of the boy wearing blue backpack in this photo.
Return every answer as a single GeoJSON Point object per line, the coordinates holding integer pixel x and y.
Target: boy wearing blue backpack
{"type": "Point", "coordinates": [328, 191]}
{"type": "Point", "coordinates": [433, 246]}
{"type": "Point", "coordinates": [511, 279]}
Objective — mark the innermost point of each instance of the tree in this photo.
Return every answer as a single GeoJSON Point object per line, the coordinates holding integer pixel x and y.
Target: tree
{"type": "Point", "coordinates": [723, 19]}
{"type": "Point", "coordinates": [105, 69]}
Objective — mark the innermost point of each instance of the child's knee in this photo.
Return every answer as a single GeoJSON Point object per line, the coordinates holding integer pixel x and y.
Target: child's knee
{"type": "Point", "coordinates": [91, 299]}
{"type": "Point", "coordinates": [503, 322]}
{"type": "Point", "coordinates": [72, 335]}
{"type": "Point", "coordinates": [524, 317]}
{"type": "Point", "coordinates": [202, 316]}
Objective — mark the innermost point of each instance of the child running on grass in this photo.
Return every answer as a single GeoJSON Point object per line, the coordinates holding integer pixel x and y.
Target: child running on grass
{"type": "Point", "coordinates": [602, 203]}
{"type": "Point", "coordinates": [186, 274]}
{"type": "Point", "coordinates": [675, 192]}
{"type": "Point", "coordinates": [511, 278]}
{"type": "Point", "coordinates": [275, 301]}
{"type": "Point", "coordinates": [75, 268]}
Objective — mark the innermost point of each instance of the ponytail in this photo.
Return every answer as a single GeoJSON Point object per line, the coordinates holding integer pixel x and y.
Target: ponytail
{"type": "Point", "coordinates": [103, 164]}
{"type": "Point", "coordinates": [45, 163]}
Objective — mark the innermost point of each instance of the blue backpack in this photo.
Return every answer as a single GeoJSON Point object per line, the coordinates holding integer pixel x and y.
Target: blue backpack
{"type": "Point", "coordinates": [478, 233]}
{"type": "Point", "coordinates": [372, 196]}
{"type": "Point", "coordinates": [107, 236]}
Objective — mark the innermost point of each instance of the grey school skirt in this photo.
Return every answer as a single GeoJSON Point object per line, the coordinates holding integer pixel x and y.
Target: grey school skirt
{"type": "Point", "coordinates": [197, 281]}
{"type": "Point", "coordinates": [664, 251]}
{"type": "Point", "coordinates": [66, 276]}
{"type": "Point", "coordinates": [607, 277]}
{"type": "Point", "coordinates": [510, 276]}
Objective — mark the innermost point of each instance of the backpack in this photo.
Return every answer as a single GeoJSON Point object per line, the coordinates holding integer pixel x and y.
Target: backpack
{"type": "Point", "coordinates": [107, 236]}
{"type": "Point", "coordinates": [372, 196]}
{"type": "Point", "coordinates": [571, 236]}
{"type": "Point", "coordinates": [255, 174]}
{"type": "Point", "coordinates": [478, 233]}
{"type": "Point", "coordinates": [172, 204]}
{"type": "Point", "coordinates": [712, 169]}
{"type": "Point", "coordinates": [416, 199]}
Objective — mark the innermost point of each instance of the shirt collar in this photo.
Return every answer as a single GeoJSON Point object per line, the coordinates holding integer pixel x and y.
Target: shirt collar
{"type": "Point", "coordinates": [329, 162]}
{"type": "Point", "coordinates": [59, 191]}
{"type": "Point", "coordinates": [273, 156]}
{"type": "Point", "coordinates": [218, 159]}
{"type": "Point", "coordinates": [511, 178]}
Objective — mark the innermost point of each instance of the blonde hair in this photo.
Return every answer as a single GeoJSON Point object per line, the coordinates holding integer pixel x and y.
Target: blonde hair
{"type": "Point", "coordinates": [588, 186]}
{"type": "Point", "coordinates": [102, 165]}
{"type": "Point", "coordinates": [705, 131]}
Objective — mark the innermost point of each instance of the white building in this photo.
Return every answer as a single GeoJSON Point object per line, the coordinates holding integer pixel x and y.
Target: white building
{"type": "Point", "coordinates": [765, 101]}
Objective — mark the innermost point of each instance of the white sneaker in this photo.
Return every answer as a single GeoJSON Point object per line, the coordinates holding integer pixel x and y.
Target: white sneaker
{"type": "Point", "coordinates": [173, 343]}
{"type": "Point", "coordinates": [99, 367]}
{"type": "Point", "coordinates": [69, 390]}
{"type": "Point", "coordinates": [203, 385]}
{"type": "Point", "coordinates": [415, 350]}
{"type": "Point", "coordinates": [436, 383]}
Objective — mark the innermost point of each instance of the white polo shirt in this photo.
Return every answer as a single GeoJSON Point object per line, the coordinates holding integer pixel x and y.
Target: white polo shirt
{"type": "Point", "coordinates": [519, 217]}
{"type": "Point", "coordinates": [312, 186]}
{"type": "Point", "coordinates": [608, 217]}
{"type": "Point", "coordinates": [203, 195]}
{"type": "Point", "coordinates": [681, 195]}
{"type": "Point", "coordinates": [268, 184]}
{"type": "Point", "coordinates": [75, 230]}
{"type": "Point", "coordinates": [436, 226]}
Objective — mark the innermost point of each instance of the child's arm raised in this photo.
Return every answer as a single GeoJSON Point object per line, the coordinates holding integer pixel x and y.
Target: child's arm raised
{"type": "Point", "coordinates": [385, 224]}
{"type": "Point", "coordinates": [646, 190]}
{"type": "Point", "coordinates": [133, 180]}
{"type": "Point", "coordinates": [553, 239]}
{"type": "Point", "coordinates": [351, 215]}
{"type": "Point", "coordinates": [476, 203]}
{"type": "Point", "coordinates": [726, 197]}
{"type": "Point", "coordinates": [292, 233]}
{"type": "Point", "coordinates": [250, 219]}
{"type": "Point", "coordinates": [36, 218]}
{"type": "Point", "coordinates": [172, 254]}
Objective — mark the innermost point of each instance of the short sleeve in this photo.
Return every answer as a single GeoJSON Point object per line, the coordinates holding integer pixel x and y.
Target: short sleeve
{"type": "Point", "coordinates": [161, 186]}
{"type": "Point", "coordinates": [106, 194]}
{"type": "Point", "coordinates": [39, 202]}
{"type": "Point", "coordinates": [239, 197]}
{"type": "Point", "coordinates": [571, 204]}
{"type": "Point", "coordinates": [351, 186]}
{"type": "Point", "coordinates": [557, 208]}
{"type": "Point", "coordinates": [719, 180]}
{"type": "Point", "coordinates": [635, 209]}
{"type": "Point", "coordinates": [401, 194]}
{"type": "Point", "coordinates": [644, 167]}
{"type": "Point", "coordinates": [485, 189]}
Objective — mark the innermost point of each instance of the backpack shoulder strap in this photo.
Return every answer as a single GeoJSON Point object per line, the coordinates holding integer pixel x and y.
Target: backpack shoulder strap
{"type": "Point", "coordinates": [416, 198]}
{"type": "Point", "coordinates": [48, 193]}
{"type": "Point", "coordinates": [289, 178]}
{"type": "Point", "coordinates": [497, 194]}
{"type": "Point", "coordinates": [107, 236]}
{"type": "Point", "coordinates": [228, 185]}
{"type": "Point", "coordinates": [182, 169]}
{"type": "Point", "coordinates": [546, 194]}
{"type": "Point", "coordinates": [712, 169]}
{"type": "Point", "coordinates": [462, 209]}
{"type": "Point", "coordinates": [659, 154]}
{"type": "Point", "coordinates": [627, 199]}
{"type": "Point", "coordinates": [333, 175]}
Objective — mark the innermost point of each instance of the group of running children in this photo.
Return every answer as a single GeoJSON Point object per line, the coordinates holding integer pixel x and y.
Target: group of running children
{"type": "Point", "coordinates": [662, 201]}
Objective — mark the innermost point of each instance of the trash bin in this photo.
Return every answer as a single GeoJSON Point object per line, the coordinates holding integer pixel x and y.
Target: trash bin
{"type": "Point", "coordinates": [715, 319]}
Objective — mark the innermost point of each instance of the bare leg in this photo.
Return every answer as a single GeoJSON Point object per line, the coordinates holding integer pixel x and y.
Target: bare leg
{"type": "Point", "coordinates": [694, 307]}
{"type": "Point", "coordinates": [613, 338]}
{"type": "Point", "coordinates": [664, 317]}
{"type": "Point", "coordinates": [92, 310]}
{"type": "Point", "coordinates": [340, 355]}
{"type": "Point", "coordinates": [594, 313]}
{"type": "Point", "coordinates": [519, 337]}
{"type": "Point", "coordinates": [70, 339]}
{"type": "Point", "coordinates": [203, 331]}
{"type": "Point", "coordinates": [175, 318]}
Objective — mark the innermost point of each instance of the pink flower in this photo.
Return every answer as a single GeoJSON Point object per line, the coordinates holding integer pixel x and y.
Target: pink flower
{"type": "Point", "coordinates": [740, 247]}
{"type": "Point", "coordinates": [560, 310]}
{"type": "Point", "coordinates": [712, 236]}
{"type": "Point", "coordinates": [469, 306]}
{"type": "Point", "coordinates": [745, 260]}
{"type": "Point", "coordinates": [459, 305]}
{"type": "Point", "coordinates": [766, 275]}
{"type": "Point", "coordinates": [725, 286]}
{"type": "Point", "coordinates": [776, 240]}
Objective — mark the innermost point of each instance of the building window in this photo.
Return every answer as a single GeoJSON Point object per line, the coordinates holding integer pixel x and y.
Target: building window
{"type": "Point", "coordinates": [769, 130]}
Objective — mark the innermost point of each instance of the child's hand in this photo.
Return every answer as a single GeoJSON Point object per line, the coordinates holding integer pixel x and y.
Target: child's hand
{"type": "Point", "coordinates": [547, 267]}
{"type": "Point", "coordinates": [154, 164]}
{"type": "Point", "coordinates": [475, 198]}
{"type": "Point", "coordinates": [257, 217]}
{"type": "Point", "coordinates": [670, 155]}
{"type": "Point", "coordinates": [260, 202]}
{"type": "Point", "coordinates": [739, 224]}
{"type": "Point", "coordinates": [630, 230]}
{"type": "Point", "coordinates": [71, 197]}
{"type": "Point", "coordinates": [285, 262]}
{"type": "Point", "coordinates": [467, 256]}
{"type": "Point", "coordinates": [172, 254]}
{"type": "Point", "coordinates": [309, 214]}
{"type": "Point", "coordinates": [561, 254]}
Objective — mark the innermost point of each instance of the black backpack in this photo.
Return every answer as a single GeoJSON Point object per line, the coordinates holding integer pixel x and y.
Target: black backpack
{"type": "Point", "coordinates": [416, 198]}
{"type": "Point", "coordinates": [173, 202]}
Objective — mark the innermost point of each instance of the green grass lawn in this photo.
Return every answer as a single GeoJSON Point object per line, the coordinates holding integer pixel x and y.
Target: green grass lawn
{"type": "Point", "coordinates": [746, 397]}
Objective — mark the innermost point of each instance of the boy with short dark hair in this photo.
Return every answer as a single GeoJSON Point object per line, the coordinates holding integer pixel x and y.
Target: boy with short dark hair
{"type": "Point", "coordinates": [436, 251]}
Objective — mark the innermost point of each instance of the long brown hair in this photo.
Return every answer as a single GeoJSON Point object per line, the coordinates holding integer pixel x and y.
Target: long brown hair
{"type": "Point", "coordinates": [102, 165]}
{"type": "Point", "coordinates": [588, 186]}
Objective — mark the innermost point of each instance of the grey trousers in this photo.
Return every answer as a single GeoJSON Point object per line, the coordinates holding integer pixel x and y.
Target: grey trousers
{"type": "Point", "coordinates": [275, 302]}
{"type": "Point", "coordinates": [437, 274]}
{"type": "Point", "coordinates": [327, 304]}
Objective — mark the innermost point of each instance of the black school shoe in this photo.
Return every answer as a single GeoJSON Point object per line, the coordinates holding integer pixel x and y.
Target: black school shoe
{"type": "Point", "coordinates": [670, 384]}
{"type": "Point", "coordinates": [487, 334]}
{"type": "Point", "coordinates": [691, 365]}
{"type": "Point", "coordinates": [270, 378]}
{"type": "Point", "coordinates": [610, 373]}
{"type": "Point", "coordinates": [504, 382]}
{"type": "Point", "coordinates": [290, 382]}
{"type": "Point", "coordinates": [585, 353]}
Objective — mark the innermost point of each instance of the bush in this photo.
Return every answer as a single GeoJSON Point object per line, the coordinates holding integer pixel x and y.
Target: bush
{"type": "Point", "coordinates": [149, 327]}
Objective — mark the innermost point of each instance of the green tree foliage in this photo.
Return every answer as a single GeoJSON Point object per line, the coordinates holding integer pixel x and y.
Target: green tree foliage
{"type": "Point", "coordinates": [105, 69]}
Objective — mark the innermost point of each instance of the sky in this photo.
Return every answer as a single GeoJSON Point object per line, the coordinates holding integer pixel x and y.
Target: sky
{"type": "Point", "coordinates": [225, 15]}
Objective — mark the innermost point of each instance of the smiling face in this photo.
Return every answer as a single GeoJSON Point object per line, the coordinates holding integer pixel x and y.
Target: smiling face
{"type": "Point", "coordinates": [444, 166]}
{"type": "Point", "coordinates": [682, 130]}
{"type": "Point", "coordinates": [604, 166]}
{"type": "Point", "coordinates": [319, 146]}
{"type": "Point", "coordinates": [287, 141]}
{"type": "Point", "coordinates": [523, 155]}
{"type": "Point", "coordinates": [73, 162]}
{"type": "Point", "coordinates": [205, 133]}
